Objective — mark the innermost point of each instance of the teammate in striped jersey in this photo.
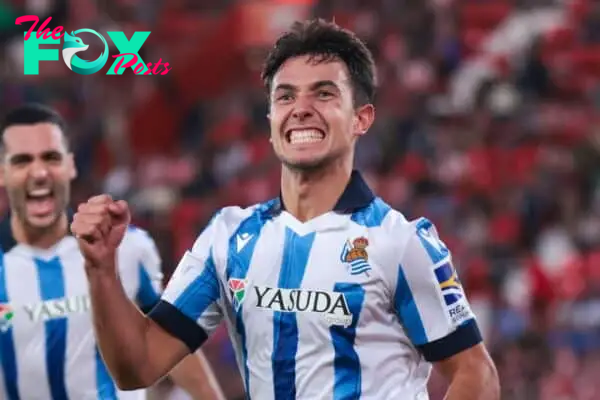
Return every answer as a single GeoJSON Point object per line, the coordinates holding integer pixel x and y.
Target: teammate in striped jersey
{"type": "Point", "coordinates": [327, 291]}
{"type": "Point", "coordinates": [47, 345]}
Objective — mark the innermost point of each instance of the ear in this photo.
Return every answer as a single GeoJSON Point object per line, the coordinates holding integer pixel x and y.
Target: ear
{"type": "Point", "coordinates": [2, 170]}
{"type": "Point", "coordinates": [363, 119]}
{"type": "Point", "coordinates": [71, 166]}
{"type": "Point", "coordinates": [270, 132]}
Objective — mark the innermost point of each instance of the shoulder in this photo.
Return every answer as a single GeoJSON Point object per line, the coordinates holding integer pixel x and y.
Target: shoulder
{"type": "Point", "coordinates": [138, 246]}
{"type": "Point", "coordinates": [380, 218]}
{"type": "Point", "coordinates": [137, 237]}
{"type": "Point", "coordinates": [231, 217]}
{"type": "Point", "coordinates": [228, 220]}
{"type": "Point", "coordinates": [392, 228]}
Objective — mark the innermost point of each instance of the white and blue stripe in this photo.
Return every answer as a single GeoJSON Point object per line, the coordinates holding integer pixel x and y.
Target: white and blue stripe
{"type": "Point", "coordinates": [308, 324]}
{"type": "Point", "coordinates": [52, 287]}
{"type": "Point", "coordinates": [296, 251]}
{"type": "Point", "coordinates": [49, 351]}
{"type": "Point", "coordinates": [7, 344]}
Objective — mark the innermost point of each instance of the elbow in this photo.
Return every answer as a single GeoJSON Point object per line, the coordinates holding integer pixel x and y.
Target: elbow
{"type": "Point", "coordinates": [128, 384]}
{"type": "Point", "coordinates": [131, 381]}
{"type": "Point", "coordinates": [491, 380]}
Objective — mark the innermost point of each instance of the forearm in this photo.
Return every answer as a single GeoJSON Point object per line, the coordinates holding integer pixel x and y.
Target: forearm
{"type": "Point", "coordinates": [474, 384]}
{"type": "Point", "coordinates": [120, 330]}
{"type": "Point", "coordinates": [195, 376]}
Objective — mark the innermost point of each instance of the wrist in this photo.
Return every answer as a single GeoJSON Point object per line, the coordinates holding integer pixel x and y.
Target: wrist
{"type": "Point", "coordinates": [106, 271]}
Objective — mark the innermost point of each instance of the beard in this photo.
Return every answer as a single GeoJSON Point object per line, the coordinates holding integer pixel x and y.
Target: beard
{"type": "Point", "coordinates": [20, 205]}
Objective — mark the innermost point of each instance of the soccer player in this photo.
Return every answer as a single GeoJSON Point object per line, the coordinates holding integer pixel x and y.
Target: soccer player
{"type": "Point", "coordinates": [328, 292]}
{"type": "Point", "coordinates": [47, 345]}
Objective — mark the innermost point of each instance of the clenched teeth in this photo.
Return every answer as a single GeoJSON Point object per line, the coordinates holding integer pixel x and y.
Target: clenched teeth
{"type": "Point", "coordinates": [305, 136]}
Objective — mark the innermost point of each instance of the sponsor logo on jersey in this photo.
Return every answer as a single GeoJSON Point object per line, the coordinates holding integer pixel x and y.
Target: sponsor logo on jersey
{"type": "Point", "coordinates": [449, 283]}
{"type": "Point", "coordinates": [58, 308]}
{"type": "Point", "coordinates": [46, 310]}
{"type": "Point", "coordinates": [332, 306]}
{"type": "Point", "coordinates": [452, 291]}
{"type": "Point", "coordinates": [6, 314]}
{"type": "Point", "coordinates": [238, 291]}
{"type": "Point", "coordinates": [355, 256]}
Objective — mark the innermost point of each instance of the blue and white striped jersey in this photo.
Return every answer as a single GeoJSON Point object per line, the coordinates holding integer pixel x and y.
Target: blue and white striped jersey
{"type": "Point", "coordinates": [47, 345]}
{"type": "Point", "coordinates": [352, 304]}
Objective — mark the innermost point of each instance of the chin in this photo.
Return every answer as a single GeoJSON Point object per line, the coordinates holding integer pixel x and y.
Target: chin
{"type": "Point", "coordinates": [42, 222]}
{"type": "Point", "coordinates": [306, 165]}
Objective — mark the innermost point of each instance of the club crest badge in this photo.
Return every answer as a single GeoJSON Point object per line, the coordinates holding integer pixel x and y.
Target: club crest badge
{"type": "Point", "coordinates": [354, 254]}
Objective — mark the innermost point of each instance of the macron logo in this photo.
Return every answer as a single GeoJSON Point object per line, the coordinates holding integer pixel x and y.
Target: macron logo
{"type": "Point", "coordinates": [242, 240]}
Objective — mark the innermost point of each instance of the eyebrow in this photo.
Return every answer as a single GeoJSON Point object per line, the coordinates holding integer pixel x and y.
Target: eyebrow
{"type": "Point", "coordinates": [314, 86]}
{"type": "Point", "coordinates": [28, 156]}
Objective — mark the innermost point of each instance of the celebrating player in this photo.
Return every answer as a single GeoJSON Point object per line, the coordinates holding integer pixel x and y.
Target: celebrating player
{"type": "Point", "coordinates": [327, 291]}
{"type": "Point", "coordinates": [47, 345]}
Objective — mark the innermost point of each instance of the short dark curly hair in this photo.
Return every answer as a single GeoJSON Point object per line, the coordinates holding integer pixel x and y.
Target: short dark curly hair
{"type": "Point", "coordinates": [326, 41]}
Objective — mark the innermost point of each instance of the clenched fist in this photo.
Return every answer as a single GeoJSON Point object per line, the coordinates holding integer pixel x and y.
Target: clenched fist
{"type": "Point", "coordinates": [99, 226]}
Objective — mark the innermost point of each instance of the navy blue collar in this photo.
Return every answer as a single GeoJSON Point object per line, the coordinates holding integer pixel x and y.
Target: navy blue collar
{"type": "Point", "coordinates": [356, 195]}
{"type": "Point", "coordinates": [7, 240]}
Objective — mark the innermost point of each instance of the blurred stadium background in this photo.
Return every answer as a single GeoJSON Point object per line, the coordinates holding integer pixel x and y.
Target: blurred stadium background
{"type": "Point", "coordinates": [487, 123]}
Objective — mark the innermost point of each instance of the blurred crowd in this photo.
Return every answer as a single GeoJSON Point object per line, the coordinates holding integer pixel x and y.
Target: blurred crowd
{"type": "Point", "coordinates": [508, 169]}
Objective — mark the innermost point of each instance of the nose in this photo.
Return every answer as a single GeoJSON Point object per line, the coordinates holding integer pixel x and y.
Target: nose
{"type": "Point", "coordinates": [302, 109]}
{"type": "Point", "coordinates": [39, 170]}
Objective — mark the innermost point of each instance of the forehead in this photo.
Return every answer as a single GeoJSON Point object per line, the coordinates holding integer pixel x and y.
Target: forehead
{"type": "Point", "coordinates": [33, 139]}
{"type": "Point", "coordinates": [303, 71]}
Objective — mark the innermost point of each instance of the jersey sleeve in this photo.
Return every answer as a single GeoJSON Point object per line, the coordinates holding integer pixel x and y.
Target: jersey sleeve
{"type": "Point", "coordinates": [189, 307]}
{"type": "Point", "coordinates": [429, 299]}
{"type": "Point", "coordinates": [149, 275]}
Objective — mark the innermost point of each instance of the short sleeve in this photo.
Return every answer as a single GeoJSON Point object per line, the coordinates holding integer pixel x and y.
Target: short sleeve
{"type": "Point", "coordinates": [189, 307]}
{"type": "Point", "coordinates": [429, 298]}
{"type": "Point", "coordinates": [149, 275]}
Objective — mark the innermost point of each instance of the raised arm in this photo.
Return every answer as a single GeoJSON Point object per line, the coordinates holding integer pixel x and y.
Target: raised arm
{"type": "Point", "coordinates": [137, 350]}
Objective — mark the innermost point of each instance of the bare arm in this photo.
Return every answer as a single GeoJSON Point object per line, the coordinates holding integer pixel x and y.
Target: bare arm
{"type": "Point", "coordinates": [137, 351]}
{"type": "Point", "coordinates": [195, 376]}
{"type": "Point", "coordinates": [472, 375]}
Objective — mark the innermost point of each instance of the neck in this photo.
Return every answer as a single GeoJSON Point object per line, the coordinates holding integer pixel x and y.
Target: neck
{"type": "Point", "coordinates": [308, 194]}
{"type": "Point", "coordinates": [43, 238]}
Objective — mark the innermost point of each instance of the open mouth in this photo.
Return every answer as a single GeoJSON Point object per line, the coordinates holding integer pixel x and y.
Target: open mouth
{"type": "Point", "coordinates": [304, 136]}
{"type": "Point", "coordinates": [40, 201]}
